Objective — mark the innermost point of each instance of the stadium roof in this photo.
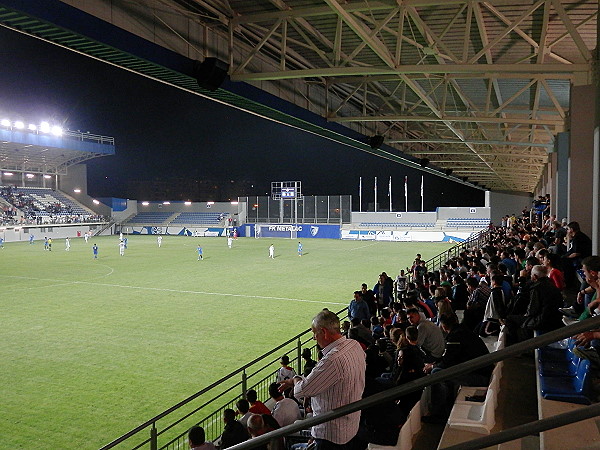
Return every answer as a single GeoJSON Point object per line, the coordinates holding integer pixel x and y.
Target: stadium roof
{"type": "Point", "coordinates": [35, 152]}
{"type": "Point", "coordinates": [477, 87]}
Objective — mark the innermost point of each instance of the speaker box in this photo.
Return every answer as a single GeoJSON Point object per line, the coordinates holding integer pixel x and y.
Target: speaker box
{"type": "Point", "coordinates": [210, 73]}
{"type": "Point", "coordinates": [376, 141]}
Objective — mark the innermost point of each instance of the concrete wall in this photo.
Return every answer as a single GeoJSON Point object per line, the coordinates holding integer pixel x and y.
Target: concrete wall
{"type": "Point", "coordinates": [176, 207]}
{"type": "Point", "coordinates": [507, 203]}
{"type": "Point", "coordinates": [132, 209]}
{"type": "Point", "coordinates": [57, 232]}
{"type": "Point", "coordinates": [581, 154]}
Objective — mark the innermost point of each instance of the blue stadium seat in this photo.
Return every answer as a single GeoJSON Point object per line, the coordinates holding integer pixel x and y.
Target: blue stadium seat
{"type": "Point", "coordinates": [574, 389]}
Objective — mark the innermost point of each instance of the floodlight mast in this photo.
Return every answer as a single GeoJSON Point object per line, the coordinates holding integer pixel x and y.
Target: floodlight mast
{"type": "Point", "coordinates": [287, 190]}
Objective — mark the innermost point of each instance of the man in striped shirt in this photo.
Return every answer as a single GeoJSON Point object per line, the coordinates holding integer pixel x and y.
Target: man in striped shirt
{"type": "Point", "coordinates": [336, 380]}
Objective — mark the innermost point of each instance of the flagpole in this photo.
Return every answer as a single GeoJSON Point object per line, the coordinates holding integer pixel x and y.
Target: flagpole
{"type": "Point", "coordinates": [390, 193]}
{"type": "Point", "coordinates": [375, 194]}
{"type": "Point", "coordinates": [405, 193]}
{"type": "Point", "coordinates": [359, 194]}
{"type": "Point", "coordinates": [421, 193]}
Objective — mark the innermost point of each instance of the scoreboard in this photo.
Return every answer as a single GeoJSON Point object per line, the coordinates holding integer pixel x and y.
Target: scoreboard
{"type": "Point", "coordinates": [288, 192]}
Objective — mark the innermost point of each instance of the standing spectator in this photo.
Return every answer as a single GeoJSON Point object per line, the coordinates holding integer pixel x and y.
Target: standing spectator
{"type": "Point", "coordinates": [579, 246]}
{"type": "Point", "coordinates": [431, 338]}
{"type": "Point", "coordinates": [369, 298]}
{"type": "Point", "coordinates": [358, 307]}
{"type": "Point", "coordinates": [285, 371]}
{"type": "Point", "coordinates": [309, 363]}
{"type": "Point", "coordinates": [338, 379]}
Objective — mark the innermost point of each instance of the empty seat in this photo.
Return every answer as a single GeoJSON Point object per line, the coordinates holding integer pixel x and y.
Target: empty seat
{"type": "Point", "coordinates": [573, 389]}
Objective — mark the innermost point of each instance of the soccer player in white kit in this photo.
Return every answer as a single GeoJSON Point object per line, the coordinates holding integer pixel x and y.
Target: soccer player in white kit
{"type": "Point", "coordinates": [272, 251]}
{"type": "Point", "coordinates": [121, 248]}
{"type": "Point", "coordinates": [229, 241]}
{"type": "Point", "coordinates": [159, 241]}
{"type": "Point", "coordinates": [67, 244]}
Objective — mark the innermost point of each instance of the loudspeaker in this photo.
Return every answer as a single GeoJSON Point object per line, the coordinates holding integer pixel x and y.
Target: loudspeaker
{"type": "Point", "coordinates": [376, 141]}
{"type": "Point", "coordinates": [448, 172]}
{"type": "Point", "coordinates": [424, 162]}
{"type": "Point", "coordinates": [210, 73]}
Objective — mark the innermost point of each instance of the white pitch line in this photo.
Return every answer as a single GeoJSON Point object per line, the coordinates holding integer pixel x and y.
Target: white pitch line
{"type": "Point", "coordinates": [179, 291]}
{"type": "Point", "coordinates": [363, 246]}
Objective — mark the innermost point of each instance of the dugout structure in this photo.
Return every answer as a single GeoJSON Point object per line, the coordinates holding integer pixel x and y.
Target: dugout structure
{"type": "Point", "coordinates": [334, 209]}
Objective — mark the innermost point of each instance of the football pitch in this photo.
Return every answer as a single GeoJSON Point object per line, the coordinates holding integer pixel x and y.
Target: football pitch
{"type": "Point", "coordinates": [91, 348]}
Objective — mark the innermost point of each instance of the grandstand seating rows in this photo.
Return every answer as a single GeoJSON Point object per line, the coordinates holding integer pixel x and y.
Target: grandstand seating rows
{"type": "Point", "coordinates": [184, 218]}
{"type": "Point", "coordinates": [41, 202]}
{"type": "Point", "coordinates": [396, 224]}
{"type": "Point", "coordinates": [457, 222]}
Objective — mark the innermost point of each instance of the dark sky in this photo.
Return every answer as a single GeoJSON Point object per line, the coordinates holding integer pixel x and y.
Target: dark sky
{"type": "Point", "coordinates": [161, 131]}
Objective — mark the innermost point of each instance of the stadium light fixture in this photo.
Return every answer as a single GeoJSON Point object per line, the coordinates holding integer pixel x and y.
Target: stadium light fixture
{"type": "Point", "coordinates": [57, 131]}
{"type": "Point", "coordinates": [187, 203]}
{"type": "Point", "coordinates": [29, 175]}
{"type": "Point", "coordinates": [32, 127]}
{"type": "Point", "coordinates": [8, 174]}
{"type": "Point", "coordinates": [145, 203]}
{"type": "Point", "coordinates": [235, 203]}
{"type": "Point", "coordinates": [47, 176]}
{"type": "Point", "coordinates": [210, 203]}
{"type": "Point", "coordinates": [95, 202]}
{"type": "Point", "coordinates": [45, 127]}
{"type": "Point", "coordinates": [19, 125]}
{"type": "Point", "coordinates": [5, 122]}
{"type": "Point", "coordinates": [77, 190]}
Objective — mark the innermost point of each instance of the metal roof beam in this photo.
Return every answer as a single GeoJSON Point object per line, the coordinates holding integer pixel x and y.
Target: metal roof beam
{"type": "Point", "coordinates": [466, 119]}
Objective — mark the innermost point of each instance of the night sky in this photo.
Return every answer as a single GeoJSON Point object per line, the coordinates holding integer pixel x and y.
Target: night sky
{"type": "Point", "coordinates": [163, 132]}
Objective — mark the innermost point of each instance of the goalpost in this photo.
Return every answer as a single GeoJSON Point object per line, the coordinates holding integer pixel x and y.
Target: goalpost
{"type": "Point", "coordinates": [266, 230]}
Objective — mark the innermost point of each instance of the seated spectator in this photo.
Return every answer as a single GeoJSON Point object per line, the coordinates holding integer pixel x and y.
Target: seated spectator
{"type": "Point", "coordinates": [286, 410]}
{"type": "Point", "coordinates": [360, 333]}
{"type": "Point", "coordinates": [309, 363]}
{"type": "Point", "coordinates": [410, 363]}
{"type": "Point", "coordinates": [479, 295]}
{"type": "Point", "coordinates": [461, 345]}
{"type": "Point", "coordinates": [234, 432]}
{"type": "Point", "coordinates": [431, 339]}
{"type": "Point", "coordinates": [376, 363]}
{"type": "Point", "coordinates": [243, 409]}
{"type": "Point", "coordinates": [376, 328]}
{"type": "Point", "coordinates": [542, 312]}
{"type": "Point", "coordinates": [197, 439]}
{"type": "Point", "coordinates": [256, 406]}
{"type": "Point", "coordinates": [259, 424]}
{"type": "Point", "coordinates": [460, 295]}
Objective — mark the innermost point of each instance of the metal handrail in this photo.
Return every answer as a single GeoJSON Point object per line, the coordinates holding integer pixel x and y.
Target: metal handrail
{"type": "Point", "coordinates": [442, 375]}
{"type": "Point", "coordinates": [153, 420]}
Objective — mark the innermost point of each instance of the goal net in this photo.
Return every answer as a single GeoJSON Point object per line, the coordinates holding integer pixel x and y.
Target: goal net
{"type": "Point", "coordinates": [276, 231]}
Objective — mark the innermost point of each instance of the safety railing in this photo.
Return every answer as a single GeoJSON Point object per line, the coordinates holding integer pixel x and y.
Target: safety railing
{"type": "Point", "coordinates": [257, 375]}
{"type": "Point", "coordinates": [478, 240]}
{"type": "Point", "coordinates": [448, 374]}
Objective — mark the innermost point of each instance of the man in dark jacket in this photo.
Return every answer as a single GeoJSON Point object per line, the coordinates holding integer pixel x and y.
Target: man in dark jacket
{"type": "Point", "coordinates": [542, 312]}
{"type": "Point", "coordinates": [234, 432]}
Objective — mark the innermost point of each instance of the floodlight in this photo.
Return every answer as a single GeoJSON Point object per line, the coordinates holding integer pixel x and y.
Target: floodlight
{"type": "Point", "coordinates": [235, 203]}
{"type": "Point", "coordinates": [77, 190]}
{"type": "Point", "coordinates": [47, 176]}
{"type": "Point", "coordinates": [187, 203]}
{"type": "Point", "coordinates": [29, 175]}
{"type": "Point", "coordinates": [31, 127]}
{"type": "Point", "coordinates": [95, 202]}
{"type": "Point", "coordinates": [145, 203]}
{"type": "Point", "coordinates": [45, 127]}
{"type": "Point", "coordinates": [8, 174]}
{"type": "Point", "coordinates": [5, 122]}
{"type": "Point", "coordinates": [19, 125]}
{"type": "Point", "coordinates": [57, 131]}
{"type": "Point", "coordinates": [166, 203]}
{"type": "Point", "coordinates": [210, 203]}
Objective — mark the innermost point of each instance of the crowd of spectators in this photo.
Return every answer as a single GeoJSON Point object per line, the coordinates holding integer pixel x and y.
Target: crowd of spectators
{"type": "Point", "coordinates": [22, 209]}
{"type": "Point", "coordinates": [425, 321]}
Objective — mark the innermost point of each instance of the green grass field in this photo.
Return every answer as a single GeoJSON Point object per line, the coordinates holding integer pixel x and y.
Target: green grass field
{"type": "Point", "coordinates": [92, 348]}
